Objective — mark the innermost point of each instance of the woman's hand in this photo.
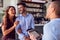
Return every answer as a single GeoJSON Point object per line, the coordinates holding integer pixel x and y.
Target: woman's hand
{"type": "Point", "coordinates": [16, 23]}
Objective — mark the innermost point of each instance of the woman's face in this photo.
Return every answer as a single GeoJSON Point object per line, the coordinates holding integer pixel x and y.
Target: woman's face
{"type": "Point", "coordinates": [11, 11]}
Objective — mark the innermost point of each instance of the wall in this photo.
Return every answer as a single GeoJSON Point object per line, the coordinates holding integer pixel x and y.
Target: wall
{"type": "Point", "coordinates": [5, 4]}
{"type": "Point", "coordinates": [8, 3]}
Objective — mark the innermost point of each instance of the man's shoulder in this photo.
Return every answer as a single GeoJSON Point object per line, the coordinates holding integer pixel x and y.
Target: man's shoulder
{"type": "Point", "coordinates": [18, 16]}
{"type": "Point", "coordinates": [30, 15]}
{"type": "Point", "coordinates": [48, 24]}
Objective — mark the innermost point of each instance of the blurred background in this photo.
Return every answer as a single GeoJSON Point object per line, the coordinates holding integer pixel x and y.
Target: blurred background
{"type": "Point", "coordinates": [36, 7]}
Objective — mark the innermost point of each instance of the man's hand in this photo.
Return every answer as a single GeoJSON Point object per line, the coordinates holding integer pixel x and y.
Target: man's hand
{"type": "Point", "coordinates": [19, 31]}
{"type": "Point", "coordinates": [27, 38]}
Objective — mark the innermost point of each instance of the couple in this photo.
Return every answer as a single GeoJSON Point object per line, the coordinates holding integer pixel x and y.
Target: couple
{"type": "Point", "coordinates": [20, 24]}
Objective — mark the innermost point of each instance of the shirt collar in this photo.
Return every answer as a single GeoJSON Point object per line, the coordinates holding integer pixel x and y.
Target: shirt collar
{"type": "Point", "coordinates": [55, 19]}
{"type": "Point", "coordinates": [26, 15]}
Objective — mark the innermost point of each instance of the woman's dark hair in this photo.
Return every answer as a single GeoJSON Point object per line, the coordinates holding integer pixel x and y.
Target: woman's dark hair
{"type": "Point", "coordinates": [6, 11]}
{"type": "Point", "coordinates": [7, 15]}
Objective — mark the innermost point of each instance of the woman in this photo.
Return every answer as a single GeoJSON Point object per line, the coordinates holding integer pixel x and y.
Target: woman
{"type": "Point", "coordinates": [9, 24]}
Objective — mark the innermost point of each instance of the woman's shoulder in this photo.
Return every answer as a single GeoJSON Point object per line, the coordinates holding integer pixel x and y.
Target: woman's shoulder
{"type": "Point", "coordinates": [4, 17]}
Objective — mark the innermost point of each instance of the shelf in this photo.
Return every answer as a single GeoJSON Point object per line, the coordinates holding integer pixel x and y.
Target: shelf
{"type": "Point", "coordinates": [35, 12]}
{"type": "Point", "coordinates": [37, 9]}
{"type": "Point", "coordinates": [41, 2]}
{"type": "Point", "coordinates": [39, 25]}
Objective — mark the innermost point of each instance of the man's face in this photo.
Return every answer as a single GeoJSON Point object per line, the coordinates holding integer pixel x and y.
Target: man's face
{"type": "Point", "coordinates": [21, 8]}
{"type": "Point", "coordinates": [50, 10]}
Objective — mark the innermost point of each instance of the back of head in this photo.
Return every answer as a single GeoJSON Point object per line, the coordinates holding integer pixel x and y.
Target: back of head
{"type": "Point", "coordinates": [53, 11]}
{"type": "Point", "coordinates": [56, 6]}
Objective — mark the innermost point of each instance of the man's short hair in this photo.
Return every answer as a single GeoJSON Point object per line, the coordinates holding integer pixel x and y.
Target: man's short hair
{"type": "Point", "coordinates": [21, 3]}
{"type": "Point", "coordinates": [56, 6]}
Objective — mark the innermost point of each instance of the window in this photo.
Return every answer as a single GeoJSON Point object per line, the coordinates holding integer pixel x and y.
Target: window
{"type": "Point", "coordinates": [1, 3]}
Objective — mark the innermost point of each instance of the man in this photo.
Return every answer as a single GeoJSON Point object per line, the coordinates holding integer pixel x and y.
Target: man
{"type": "Point", "coordinates": [51, 30]}
{"type": "Point", "coordinates": [26, 22]}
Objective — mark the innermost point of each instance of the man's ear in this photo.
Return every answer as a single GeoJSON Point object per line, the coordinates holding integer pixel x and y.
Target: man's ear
{"type": "Point", "coordinates": [53, 9]}
{"type": "Point", "coordinates": [50, 11]}
{"type": "Point", "coordinates": [47, 13]}
{"type": "Point", "coordinates": [25, 8]}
